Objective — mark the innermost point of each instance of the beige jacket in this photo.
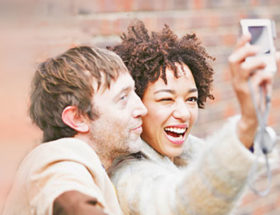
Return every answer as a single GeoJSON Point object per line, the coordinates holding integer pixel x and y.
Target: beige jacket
{"type": "Point", "coordinates": [54, 168]}
{"type": "Point", "coordinates": [209, 184]}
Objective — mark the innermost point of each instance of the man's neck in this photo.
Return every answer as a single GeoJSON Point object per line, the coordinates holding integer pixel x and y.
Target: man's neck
{"type": "Point", "coordinates": [105, 162]}
{"type": "Point", "coordinates": [105, 158]}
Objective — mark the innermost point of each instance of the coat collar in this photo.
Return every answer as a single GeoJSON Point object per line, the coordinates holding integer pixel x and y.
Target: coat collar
{"type": "Point", "coordinates": [191, 146]}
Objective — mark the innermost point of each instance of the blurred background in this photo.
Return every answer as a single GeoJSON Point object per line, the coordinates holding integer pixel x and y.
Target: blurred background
{"type": "Point", "coordinates": [33, 30]}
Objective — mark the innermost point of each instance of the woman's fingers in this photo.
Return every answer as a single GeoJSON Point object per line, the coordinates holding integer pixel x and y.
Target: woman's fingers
{"type": "Point", "coordinates": [278, 60]}
{"type": "Point", "coordinates": [249, 67]}
{"type": "Point", "coordinates": [243, 40]}
{"type": "Point", "coordinates": [242, 53]}
{"type": "Point", "coordinates": [262, 79]}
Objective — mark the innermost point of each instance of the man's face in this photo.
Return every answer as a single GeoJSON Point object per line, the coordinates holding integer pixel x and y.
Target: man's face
{"type": "Point", "coordinates": [117, 129]}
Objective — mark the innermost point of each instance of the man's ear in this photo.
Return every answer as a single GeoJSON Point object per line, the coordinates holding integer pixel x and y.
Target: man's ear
{"type": "Point", "coordinates": [72, 118]}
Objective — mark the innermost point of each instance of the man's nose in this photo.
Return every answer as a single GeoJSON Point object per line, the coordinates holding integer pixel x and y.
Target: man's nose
{"type": "Point", "coordinates": [140, 109]}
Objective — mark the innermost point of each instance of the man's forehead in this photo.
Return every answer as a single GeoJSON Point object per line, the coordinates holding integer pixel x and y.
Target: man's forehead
{"type": "Point", "coordinates": [121, 81]}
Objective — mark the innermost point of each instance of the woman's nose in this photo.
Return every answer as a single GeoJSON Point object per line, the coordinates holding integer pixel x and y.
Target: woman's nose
{"type": "Point", "coordinates": [181, 111]}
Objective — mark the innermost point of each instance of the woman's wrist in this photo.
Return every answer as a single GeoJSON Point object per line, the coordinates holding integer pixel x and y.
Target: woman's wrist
{"type": "Point", "coordinates": [246, 129]}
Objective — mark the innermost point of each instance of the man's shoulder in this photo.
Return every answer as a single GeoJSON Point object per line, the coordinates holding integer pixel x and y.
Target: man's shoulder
{"type": "Point", "coordinates": [66, 143]}
{"type": "Point", "coordinates": [58, 166]}
{"type": "Point", "coordinates": [64, 147]}
{"type": "Point", "coordinates": [61, 150]}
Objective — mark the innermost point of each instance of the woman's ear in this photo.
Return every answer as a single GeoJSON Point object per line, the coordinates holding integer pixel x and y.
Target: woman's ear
{"type": "Point", "coordinates": [72, 118]}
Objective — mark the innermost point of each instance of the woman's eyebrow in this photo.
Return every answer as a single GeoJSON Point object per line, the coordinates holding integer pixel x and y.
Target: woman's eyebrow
{"type": "Point", "coordinates": [164, 91]}
{"type": "Point", "coordinates": [173, 91]}
{"type": "Point", "coordinates": [193, 90]}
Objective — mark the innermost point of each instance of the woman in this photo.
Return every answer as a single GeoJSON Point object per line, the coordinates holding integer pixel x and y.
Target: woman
{"type": "Point", "coordinates": [176, 173]}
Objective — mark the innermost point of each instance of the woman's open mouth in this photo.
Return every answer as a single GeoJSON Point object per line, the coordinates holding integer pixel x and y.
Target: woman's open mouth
{"type": "Point", "coordinates": [176, 134]}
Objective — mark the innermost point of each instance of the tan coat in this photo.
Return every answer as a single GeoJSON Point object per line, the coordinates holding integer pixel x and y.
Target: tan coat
{"type": "Point", "coordinates": [212, 179]}
{"type": "Point", "coordinates": [54, 168]}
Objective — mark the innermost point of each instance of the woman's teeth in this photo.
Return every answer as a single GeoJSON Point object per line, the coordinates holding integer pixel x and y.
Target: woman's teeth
{"type": "Point", "coordinates": [179, 131]}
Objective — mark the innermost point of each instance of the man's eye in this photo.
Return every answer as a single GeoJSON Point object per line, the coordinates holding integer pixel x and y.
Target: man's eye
{"type": "Point", "coordinates": [123, 97]}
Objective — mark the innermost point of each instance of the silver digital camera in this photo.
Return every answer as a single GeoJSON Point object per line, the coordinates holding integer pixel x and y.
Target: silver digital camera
{"type": "Point", "coordinates": [262, 33]}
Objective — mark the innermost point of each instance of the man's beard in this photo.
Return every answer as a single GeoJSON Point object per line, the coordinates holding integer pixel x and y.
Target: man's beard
{"type": "Point", "coordinates": [110, 145]}
{"type": "Point", "coordinates": [135, 145]}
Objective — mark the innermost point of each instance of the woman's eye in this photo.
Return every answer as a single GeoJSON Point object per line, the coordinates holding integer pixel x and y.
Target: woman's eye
{"type": "Point", "coordinates": [192, 99]}
{"type": "Point", "coordinates": [165, 99]}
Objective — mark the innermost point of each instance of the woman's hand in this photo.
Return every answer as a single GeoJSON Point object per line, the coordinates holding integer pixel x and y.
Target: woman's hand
{"type": "Point", "coordinates": [241, 72]}
{"type": "Point", "coordinates": [278, 60]}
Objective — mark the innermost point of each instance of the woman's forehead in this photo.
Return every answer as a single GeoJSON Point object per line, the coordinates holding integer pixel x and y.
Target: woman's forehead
{"type": "Point", "coordinates": [182, 70]}
{"type": "Point", "coordinates": [183, 73]}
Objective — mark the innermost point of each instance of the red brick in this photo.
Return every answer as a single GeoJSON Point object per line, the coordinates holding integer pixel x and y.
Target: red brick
{"type": "Point", "coordinates": [180, 4]}
{"type": "Point", "coordinates": [249, 199]}
{"type": "Point", "coordinates": [229, 111]}
{"type": "Point", "coordinates": [229, 39]}
{"type": "Point", "coordinates": [198, 4]}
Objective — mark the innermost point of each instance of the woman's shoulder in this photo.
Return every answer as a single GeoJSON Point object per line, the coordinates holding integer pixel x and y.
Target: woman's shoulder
{"type": "Point", "coordinates": [146, 162]}
{"type": "Point", "coordinates": [192, 147]}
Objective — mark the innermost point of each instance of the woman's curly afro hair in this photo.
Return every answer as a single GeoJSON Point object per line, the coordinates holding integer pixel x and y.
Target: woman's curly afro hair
{"type": "Point", "coordinates": [148, 55]}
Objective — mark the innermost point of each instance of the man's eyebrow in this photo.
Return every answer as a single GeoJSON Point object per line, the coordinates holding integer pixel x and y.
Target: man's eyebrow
{"type": "Point", "coordinates": [125, 89]}
{"type": "Point", "coordinates": [173, 91]}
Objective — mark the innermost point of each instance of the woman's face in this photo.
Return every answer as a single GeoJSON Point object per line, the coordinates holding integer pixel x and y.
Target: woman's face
{"type": "Point", "coordinates": [172, 111]}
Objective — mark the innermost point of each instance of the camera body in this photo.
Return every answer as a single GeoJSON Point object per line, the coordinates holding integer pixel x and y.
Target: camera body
{"type": "Point", "coordinates": [262, 33]}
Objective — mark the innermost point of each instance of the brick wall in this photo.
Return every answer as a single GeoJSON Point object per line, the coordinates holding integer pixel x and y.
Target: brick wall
{"type": "Point", "coordinates": [33, 30]}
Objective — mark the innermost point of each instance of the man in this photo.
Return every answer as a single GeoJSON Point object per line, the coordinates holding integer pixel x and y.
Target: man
{"type": "Point", "coordinates": [85, 104]}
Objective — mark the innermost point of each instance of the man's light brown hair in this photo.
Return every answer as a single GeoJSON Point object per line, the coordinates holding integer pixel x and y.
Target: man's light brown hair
{"type": "Point", "coordinates": [147, 55]}
{"type": "Point", "coordinates": [67, 80]}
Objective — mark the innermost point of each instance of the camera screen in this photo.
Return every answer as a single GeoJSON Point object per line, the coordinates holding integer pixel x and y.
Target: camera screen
{"type": "Point", "coordinates": [260, 38]}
